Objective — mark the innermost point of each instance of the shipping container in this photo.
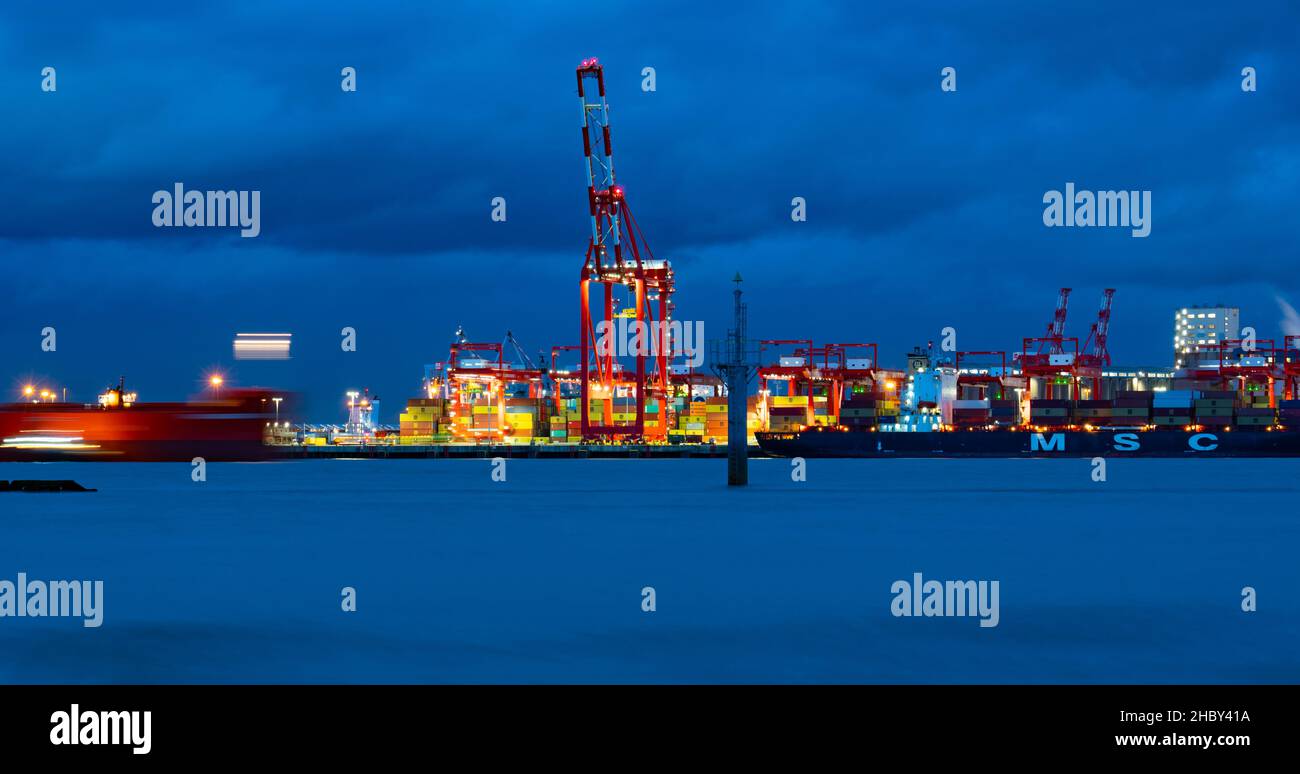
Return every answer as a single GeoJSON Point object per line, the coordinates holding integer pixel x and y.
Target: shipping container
{"type": "Point", "coordinates": [1135, 413]}
{"type": "Point", "coordinates": [1146, 396]}
{"type": "Point", "coordinates": [1173, 399]}
{"type": "Point", "coordinates": [1216, 395]}
{"type": "Point", "coordinates": [1036, 411]}
{"type": "Point", "coordinates": [1213, 412]}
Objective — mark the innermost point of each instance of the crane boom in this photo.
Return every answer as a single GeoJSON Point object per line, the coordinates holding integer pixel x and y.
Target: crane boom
{"type": "Point", "coordinates": [1056, 328]}
{"type": "Point", "coordinates": [603, 192]}
{"type": "Point", "coordinates": [1097, 336]}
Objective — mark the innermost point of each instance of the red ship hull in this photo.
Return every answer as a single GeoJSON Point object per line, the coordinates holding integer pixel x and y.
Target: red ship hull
{"type": "Point", "coordinates": [232, 427]}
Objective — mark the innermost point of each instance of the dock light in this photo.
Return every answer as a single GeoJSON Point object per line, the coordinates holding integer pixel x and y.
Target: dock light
{"type": "Point", "coordinates": [216, 381]}
{"type": "Point", "coordinates": [45, 395]}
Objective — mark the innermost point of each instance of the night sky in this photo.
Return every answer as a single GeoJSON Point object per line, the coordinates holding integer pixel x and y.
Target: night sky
{"type": "Point", "coordinates": [924, 207]}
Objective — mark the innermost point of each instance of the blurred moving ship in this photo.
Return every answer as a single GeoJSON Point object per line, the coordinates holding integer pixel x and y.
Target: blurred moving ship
{"type": "Point", "coordinates": [233, 424]}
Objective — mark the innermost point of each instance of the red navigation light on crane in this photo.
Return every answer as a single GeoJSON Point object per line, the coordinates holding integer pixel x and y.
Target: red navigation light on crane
{"type": "Point", "coordinates": [608, 265]}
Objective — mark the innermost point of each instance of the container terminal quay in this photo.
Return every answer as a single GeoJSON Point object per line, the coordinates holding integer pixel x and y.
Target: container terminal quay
{"type": "Point", "coordinates": [839, 397]}
{"type": "Point", "coordinates": [1226, 392]}
{"type": "Point", "coordinates": [1224, 395]}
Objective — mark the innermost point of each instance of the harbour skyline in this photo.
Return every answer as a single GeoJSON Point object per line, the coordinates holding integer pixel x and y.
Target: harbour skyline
{"type": "Point", "coordinates": [924, 207]}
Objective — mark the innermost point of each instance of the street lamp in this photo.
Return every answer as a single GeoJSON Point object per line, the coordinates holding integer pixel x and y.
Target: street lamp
{"type": "Point", "coordinates": [352, 406]}
{"type": "Point", "coordinates": [276, 401]}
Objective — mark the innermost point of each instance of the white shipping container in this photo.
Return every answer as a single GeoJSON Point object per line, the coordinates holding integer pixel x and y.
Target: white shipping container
{"type": "Point", "coordinates": [858, 364]}
{"type": "Point", "coordinates": [680, 370]}
{"type": "Point", "coordinates": [1064, 359]}
{"type": "Point", "coordinates": [791, 362]}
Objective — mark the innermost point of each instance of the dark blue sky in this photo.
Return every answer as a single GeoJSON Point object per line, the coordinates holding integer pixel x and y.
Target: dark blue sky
{"type": "Point", "coordinates": [924, 208]}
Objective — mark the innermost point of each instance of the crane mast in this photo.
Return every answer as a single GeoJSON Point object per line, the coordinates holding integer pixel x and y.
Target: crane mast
{"type": "Point", "coordinates": [613, 259]}
{"type": "Point", "coordinates": [603, 193]}
{"type": "Point", "coordinates": [1056, 328]}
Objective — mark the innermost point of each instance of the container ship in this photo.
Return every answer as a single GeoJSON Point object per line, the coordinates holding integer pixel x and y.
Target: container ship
{"type": "Point", "coordinates": [233, 424]}
{"type": "Point", "coordinates": [1198, 441]}
{"type": "Point", "coordinates": [946, 411]}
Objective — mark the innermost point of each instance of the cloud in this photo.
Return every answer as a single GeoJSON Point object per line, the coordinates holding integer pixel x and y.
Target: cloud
{"type": "Point", "coordinates": [1290, 322]}
{"type": "Point", "coordinates": [924, 208]}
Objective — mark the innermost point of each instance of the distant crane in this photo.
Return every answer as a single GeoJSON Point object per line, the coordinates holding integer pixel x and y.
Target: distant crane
{"type": "Point", "coordinates": [527, 361]}
{"type": "Point", "coordinates": [1056, 328]}
{"type": "Point", "coordinates": [1095, 355]}
{"type": "Point", "coordinates": [1046, 356]}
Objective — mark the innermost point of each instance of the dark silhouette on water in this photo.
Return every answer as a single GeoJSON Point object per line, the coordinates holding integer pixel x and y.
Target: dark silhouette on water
{"type": "Point", "coordinates": [24, 485]}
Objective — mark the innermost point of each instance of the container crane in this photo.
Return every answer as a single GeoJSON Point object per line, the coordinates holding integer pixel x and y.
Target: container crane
{"type": "Point", "coordinates": [477, 376]}
{"type": "Point", "coordinates": [1056, 328]}
{"type": "Point", "coordinates": [1095, 353]}
{"type": "Point", "coordinates": [614, 259]}
{"type": "Point", "coordinates": [1048, 356]}
{"type": "Point", "coordinates": [1253, 364]}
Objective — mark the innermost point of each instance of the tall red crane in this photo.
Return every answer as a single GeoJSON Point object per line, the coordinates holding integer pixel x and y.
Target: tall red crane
{"type": "Point", "coordinates": [1056, 328]}
{"type": "Point", "coordinates": [614, 260]}
{"type": "Point", "coordinates": [1095, 354]}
